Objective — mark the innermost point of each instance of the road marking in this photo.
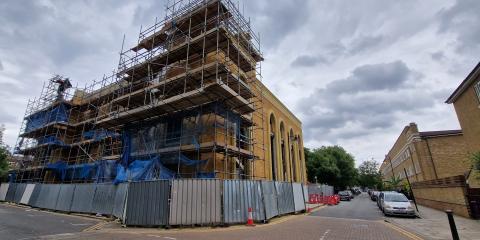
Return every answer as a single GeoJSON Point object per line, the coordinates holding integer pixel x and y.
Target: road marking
{"type": "Point", "coordinates": [402, 231]}
{"type": "Point", "coordinates": [324, 234]}
{"type": "Point", "coordinates": [156, 236]}
{"type": "Point", "coordinates": [95, 227]}
{"type": "Point", "coordinates": [171, 238]}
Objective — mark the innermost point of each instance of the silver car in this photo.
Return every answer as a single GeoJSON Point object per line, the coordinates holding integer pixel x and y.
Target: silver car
{"type": "Point", "coordinates": [396, 204]}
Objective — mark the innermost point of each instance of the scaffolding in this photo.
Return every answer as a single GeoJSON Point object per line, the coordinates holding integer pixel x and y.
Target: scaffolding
{"type": "Point", "coordinates": [184, 102]}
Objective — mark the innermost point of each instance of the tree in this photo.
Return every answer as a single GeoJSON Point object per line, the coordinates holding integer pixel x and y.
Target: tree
{"type": "Point", "coordinates": [331, 165]}
{"type": "Point", "coordinates": [394, 183]}
{"type": "Point", "coordinates": [4, 155]}
{"type": "Point", "coordinates": [368, 175]}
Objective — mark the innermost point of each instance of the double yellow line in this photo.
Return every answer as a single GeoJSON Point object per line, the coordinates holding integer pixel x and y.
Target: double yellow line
{"type": "Point", "coordinates": [402, 231]}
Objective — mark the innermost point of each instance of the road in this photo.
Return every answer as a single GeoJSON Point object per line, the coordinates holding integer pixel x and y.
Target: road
{"type": "Point", "coordinates": [357, 219]}
{"type": "Point", "coordinates": [27, 223]}
{"type": "Point", "coordinates": [361, 207]}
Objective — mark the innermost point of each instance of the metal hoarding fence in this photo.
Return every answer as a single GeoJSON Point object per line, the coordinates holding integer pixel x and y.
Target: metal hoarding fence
{"type": "Point", "coordinates": [33, 201]}
{"type": "Point", "coordinates": [284, 197]}
{"type": "Point", "coordinates": [147, 203]}
{"type": "Point", "coordinates": [298, 198]}
{"type": "Point", "coordinates": [83, 198]}
{"type": "Point", "coordinates": [119, 200]}
{"type": "Point", "coordinates": [195, 201]}
{"type": "Point", "coordinates": [238, 196]}
{"type": "Point", "coordinates": [19, 192]}
{"type": "Point", "coordinates": [270, 199]}
{"type": "Point", "coordinates": [3, 191]}
{"type": "Point", "coordinates": [65, 197]}
{"type": "Point", "coordinates": [103, 199]}
{"type": "Point", "coordinates": [27, 194]}
{"type": "Point", "coordinates": [11, 192]}
{"type": "Point", "coordinates": [48, 196]}
{"type": "Point", "coordinates": [305, 192]}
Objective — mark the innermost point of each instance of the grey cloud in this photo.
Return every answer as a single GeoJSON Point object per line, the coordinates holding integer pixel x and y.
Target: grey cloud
{"type": "Point", "coordinates": [462, 19]}
{"type": "Point", "coordinates": [308, 61]}
{"type": "Point", "coordinates": [364, 43]}
{"type": "Point", "coordinates": [439, 55]}
{"type": "Point", "coordinates": [369, 98]}
{"type": "Point", "coordinates": [1, 65]}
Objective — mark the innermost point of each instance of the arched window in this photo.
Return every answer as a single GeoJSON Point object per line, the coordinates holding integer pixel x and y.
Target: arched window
{"type": "Point", "coordinates": [291, 139]}
{"type": "Point", "coordinates": [273, 147]}
{"type": "Point", "coordinates": [282, 150]}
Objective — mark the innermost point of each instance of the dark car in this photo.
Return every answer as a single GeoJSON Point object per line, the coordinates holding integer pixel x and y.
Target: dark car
{"type": "Point", "coordinates": [374, 195]}
{"type": "Point", "coordinates": [344, 196]}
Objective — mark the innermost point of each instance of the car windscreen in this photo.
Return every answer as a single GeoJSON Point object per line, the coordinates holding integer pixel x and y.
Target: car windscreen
{"type": "Point", "coordinates": [395, 198]}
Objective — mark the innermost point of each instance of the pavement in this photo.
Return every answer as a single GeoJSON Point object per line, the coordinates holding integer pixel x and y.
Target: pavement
{"type": "Point", "coordinates": [358, 219]}
{"type": "Point", "coordinates": [28, 223]}
{"type": "Point", "coordinates": [433, 224]}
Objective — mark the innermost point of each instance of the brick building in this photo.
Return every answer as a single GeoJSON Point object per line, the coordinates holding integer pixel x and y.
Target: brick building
{"type": "Point", "coordinates": [426, 155]}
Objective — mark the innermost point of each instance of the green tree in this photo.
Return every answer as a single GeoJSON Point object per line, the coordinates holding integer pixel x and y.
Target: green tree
{"type": "Point", "coordinates": [394, 183]}
{"type": "Point", "coordinates": [4, 155]}
{"type": "Point", "coordinates": [331, 165]}
{"type": "Point", "coordinates": [369, 175]}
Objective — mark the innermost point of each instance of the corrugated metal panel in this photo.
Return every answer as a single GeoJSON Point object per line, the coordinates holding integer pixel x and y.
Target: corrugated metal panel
{"type": "Point", "coordinates": [19, 192]}
{"type": "Point", "coordinates": [3, 191]}
{"type": "Point", "coordinates": [11, 192]}
{"type": "Point", "coordinates": [285, 197]}
{"type": "Point", "coordinates": [65, 197]}
{"type": "Point", "coordinates": [48, 196]}
{"type": "Point", "coordinates": [119, 201]}
{"type": "Point", "coordinates": [83, 198]}
{"type": "Point", "coordinates": [238, 196]}
{"type": "Point", "coordinates": [27, 194]}
{"type": "Point", "coordinates": [35, 194]}
{"type": "Point", "coordinates": [104, 199]}
{"type": "Point", "coordinates": [147, 203]}
{"type": "Point", "coordinates": [305, 192]}
{"type": "Point", "coordinates": [298, 197]}
{"type": "Point", "coordinates": [195, 201]}
{"type": "Point", "coordinates": [269, 199]}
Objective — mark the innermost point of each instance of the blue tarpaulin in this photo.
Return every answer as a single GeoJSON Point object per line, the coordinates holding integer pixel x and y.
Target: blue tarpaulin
{"type": "Point", "coordinates": [50, 140]}
{"type": "Point", "coordinates": [39, 119]}
{"type": "Point", "coordinates": [59, 167]}
{"type": "Point", "coordinates": [99, 134]}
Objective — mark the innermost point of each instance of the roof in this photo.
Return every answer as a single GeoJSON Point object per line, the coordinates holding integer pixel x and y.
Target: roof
{"type": "Point", "coordinates": [465, 84]}
{"type": "Point", "coordinates": [442, 133]}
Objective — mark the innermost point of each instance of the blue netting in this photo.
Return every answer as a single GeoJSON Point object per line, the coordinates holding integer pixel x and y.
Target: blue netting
{"type": "Point", "coordinates": [59, 168]}
{"type": "Point", "coordinates": [205, 175]}
{"type": "Point", "coordinates": [39, 119]}
{"type": "Point", "coordinates": [99, 134]}
{"type": "Point", "coordinates": [143, 169]}
{"type": "Point", "coordinates": [50, 140]}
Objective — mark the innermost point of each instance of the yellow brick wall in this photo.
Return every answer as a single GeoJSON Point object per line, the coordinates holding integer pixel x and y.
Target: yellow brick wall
{"type": "Point", "coordinates": [443, 198]}
{"type": "Point", "coordinates": [468, 113]}
{"type": "Point", "coordinates": [263, 167]}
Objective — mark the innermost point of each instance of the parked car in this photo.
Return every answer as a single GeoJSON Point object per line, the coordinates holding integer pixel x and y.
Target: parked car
{"type": "Point", "coordinates": [393, 203]}
{"type": "Point", "coordinates": [345, 195]}
{"type": "Point", "coordinates": [374, 195]}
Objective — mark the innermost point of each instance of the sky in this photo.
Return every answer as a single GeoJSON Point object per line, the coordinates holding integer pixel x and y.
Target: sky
{"type": "Point", "coordinates": [354, 72]}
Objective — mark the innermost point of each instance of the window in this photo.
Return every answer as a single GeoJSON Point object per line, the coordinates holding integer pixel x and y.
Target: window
{"type": "Point", "coordinates": [477, 90]}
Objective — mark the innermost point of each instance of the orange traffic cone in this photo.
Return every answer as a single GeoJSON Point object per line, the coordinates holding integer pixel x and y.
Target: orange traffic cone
{"type": "Point", "coordinates": [250, 218]}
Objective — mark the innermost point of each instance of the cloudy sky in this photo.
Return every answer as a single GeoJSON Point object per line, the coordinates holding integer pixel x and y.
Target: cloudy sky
{"type": "Point", "coordinates": [354, 72]}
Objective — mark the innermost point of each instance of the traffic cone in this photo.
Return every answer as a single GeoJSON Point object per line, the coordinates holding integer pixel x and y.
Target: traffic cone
{"type": "Point", "coordinates": [250, 218]}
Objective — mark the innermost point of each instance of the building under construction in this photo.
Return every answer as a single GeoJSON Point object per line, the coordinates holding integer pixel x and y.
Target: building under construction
{"type": "Point", "coordinates": [186, 101]}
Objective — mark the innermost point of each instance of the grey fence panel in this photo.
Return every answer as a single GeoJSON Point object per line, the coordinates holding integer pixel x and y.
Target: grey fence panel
{"type": "Point", "coordinates": [83, 198]}
{"type": "Point", "coordinates": [269, 199]}
{"type": "Point", "coordinates": [35, 194]}
{"type": "Point", "coordinates": [3, 191]}
{"type": "Point", "coordinates": [104, 199]}
{"type": "Point", "coordinates": [27, 194]}
{"type": "Point", "coordinates": [48, 196]}
{"type": "Point", "coordinates": [305, 192]}
{"type": "Point", "coordinates": [11, 192]}
{"type": "Point", "coordinates": [238, 196]}
{"type": "Point", "coordinates": [19, 192]}
{"type": "Point", "coordinates": [298, 198]}
{"type": "Point", "coordinates": [285, 197]}
{"type": "Point", "coordinates": [65, 197]}
{"type": "Point", "coordinates": [119, 201]}
{"type": "Point", "coordinates": [147, 203]}
{"type": "Point", "coordinates": [195, 201]}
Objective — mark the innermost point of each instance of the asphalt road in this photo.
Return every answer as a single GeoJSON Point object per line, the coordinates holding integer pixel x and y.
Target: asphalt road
{"type": "Point", "coordinates": [361, 207]}
{"type": "Point", "coordinates": [27, 223]}
{"type": "Point", "coordinates": [355, 220]}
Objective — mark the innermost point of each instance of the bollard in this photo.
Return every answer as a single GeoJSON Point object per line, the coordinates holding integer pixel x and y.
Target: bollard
{"type": "Point", "coordinates": [453, 228]}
